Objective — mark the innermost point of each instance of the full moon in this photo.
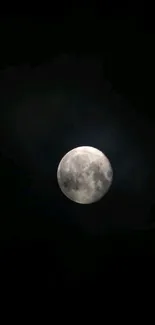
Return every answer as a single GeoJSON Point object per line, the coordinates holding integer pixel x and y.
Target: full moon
{"type": "Point", "coordinates": [84, 175]}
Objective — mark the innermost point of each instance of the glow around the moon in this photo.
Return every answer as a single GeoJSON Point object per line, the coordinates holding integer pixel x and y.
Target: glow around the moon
{"type": "Point", "coordinates": [84, 175]}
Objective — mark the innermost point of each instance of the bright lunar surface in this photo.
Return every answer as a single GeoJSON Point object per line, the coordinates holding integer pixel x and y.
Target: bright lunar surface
{"type": "Point", "coordinates": [84, 175]}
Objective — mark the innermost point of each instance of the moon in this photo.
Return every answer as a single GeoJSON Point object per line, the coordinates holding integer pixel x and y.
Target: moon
{"type": "Point", "coordinates": [84, 175]}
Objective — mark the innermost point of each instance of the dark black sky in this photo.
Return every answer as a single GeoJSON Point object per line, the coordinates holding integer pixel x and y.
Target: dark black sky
{"type": "Point", "coordinates": [60, 90]}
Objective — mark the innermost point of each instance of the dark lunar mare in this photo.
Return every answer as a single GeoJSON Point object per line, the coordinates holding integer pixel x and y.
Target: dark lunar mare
{"type": "Point", "coordinates": [74, 178]}
{"type": "Point", "coordinates": [98, 175]}
{"type": "Point", "coordinates": [69, 180]}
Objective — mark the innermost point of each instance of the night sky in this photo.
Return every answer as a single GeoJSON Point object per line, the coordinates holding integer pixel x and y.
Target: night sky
{"type": "Point", "coordinates": [58, 92]}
